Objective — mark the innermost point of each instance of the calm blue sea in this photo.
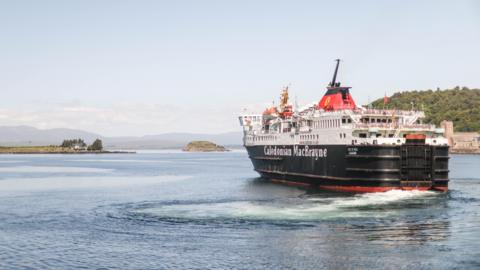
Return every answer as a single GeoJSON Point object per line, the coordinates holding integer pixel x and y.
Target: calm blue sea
{"type": "Point", "coordinates": [174, 210]}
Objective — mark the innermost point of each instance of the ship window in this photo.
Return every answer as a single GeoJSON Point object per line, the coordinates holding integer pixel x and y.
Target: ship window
{"type": "Point", "coordinates": [378, 120]}
{"type": "Point", "coordinates": [362, 135]}
{"type": "Point", "coordinates": [344, 120]}
{"type": "Point", "coordinates": [390, 135]}
{"type": "Point", "coordinates": [384, 120]}
{"type": "Point", "coordinates": [349, 120]}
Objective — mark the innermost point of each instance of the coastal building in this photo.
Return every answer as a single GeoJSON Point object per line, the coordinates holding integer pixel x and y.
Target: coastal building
{"type": "Point", "coordinates": [79, 147]}
{"type": "Point", "coordinates": [461, 142]}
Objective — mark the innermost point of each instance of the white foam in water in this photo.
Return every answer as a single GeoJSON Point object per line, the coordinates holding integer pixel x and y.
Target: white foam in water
{"type": "Point", "coordinates": [380, 198]}
{"type": "Point", "coordinates": [309, 209]}
{"type": "Point", "coordinates": [47, 169]}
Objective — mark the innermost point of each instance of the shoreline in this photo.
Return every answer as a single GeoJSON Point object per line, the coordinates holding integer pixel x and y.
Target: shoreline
{"type": "Point", "coordinates": [464, 153]}
{"type": "Point", "coordinates": [66, 152]}
{"type": "Point", "coordinates": [18, 150]}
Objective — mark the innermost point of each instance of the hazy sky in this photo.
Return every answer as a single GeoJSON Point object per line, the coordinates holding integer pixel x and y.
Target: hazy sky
{"type": "Point", "coordinates": [146, 67]}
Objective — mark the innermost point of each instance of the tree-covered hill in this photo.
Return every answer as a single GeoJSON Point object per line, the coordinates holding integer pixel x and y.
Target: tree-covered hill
{"type": "Point", "coordinates": [460, 105]}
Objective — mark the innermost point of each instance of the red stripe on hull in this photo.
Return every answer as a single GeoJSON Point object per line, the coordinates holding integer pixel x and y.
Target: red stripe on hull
{"type": "Point", "coordinates": [290, 183]}
{"type": "Point", "coordinates": [358, 189]}
{"type": "Point", "coordinates": [442, 189]}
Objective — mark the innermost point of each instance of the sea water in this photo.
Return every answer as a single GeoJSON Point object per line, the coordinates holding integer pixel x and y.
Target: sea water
{"type": "Point", "coordinates": [175, 210]}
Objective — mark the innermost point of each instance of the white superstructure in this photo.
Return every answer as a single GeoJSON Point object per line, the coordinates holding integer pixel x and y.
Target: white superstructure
{"type": "Point", "coordinates": [348, 126]}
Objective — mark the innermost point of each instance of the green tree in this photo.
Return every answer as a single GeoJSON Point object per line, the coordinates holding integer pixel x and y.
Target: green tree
{"type": "Point", "coordinates": [72, 143]}
{"type": "Point", "coordinates": [96, 145]}
{"type": "Point", "coordinates": [460, 105]}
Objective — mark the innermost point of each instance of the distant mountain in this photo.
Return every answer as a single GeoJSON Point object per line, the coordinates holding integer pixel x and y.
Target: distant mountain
{"type": "Point", "coordinates": [172, 140]}
{"type": "Point", "coordinates": [26, 135]}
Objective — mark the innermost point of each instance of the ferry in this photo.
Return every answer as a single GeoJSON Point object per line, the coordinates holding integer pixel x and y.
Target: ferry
{"type": "Point", "coordinates": [334, 144]}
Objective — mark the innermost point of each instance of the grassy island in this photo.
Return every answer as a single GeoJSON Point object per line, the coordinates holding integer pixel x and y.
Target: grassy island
{"type": "Point", "coordinates": [204, 146]}
{"type": "Point", "coordinates": [52, 149]}
{"type": "Point", "coordinates": [73, 146]}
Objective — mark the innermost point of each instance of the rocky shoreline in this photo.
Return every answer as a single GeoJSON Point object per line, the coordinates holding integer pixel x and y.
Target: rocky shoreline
{"type": "Point", "coordinates": [54, 150]}
{"type": "Point", "coordinates": [465, 151]}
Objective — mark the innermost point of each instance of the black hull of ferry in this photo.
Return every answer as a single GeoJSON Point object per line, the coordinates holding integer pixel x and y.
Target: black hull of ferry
{"type": "Point", "coordinates": [354, 168]}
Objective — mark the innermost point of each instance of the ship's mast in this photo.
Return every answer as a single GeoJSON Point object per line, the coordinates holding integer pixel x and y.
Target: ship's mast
{"type": "Point", "coordinates": [334, 79]}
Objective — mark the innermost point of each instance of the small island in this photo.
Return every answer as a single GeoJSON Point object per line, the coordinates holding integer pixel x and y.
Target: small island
{"type": "Point", "coordinates": [204, 146]}
{"type": "Point", "coordinates": [74, 146]}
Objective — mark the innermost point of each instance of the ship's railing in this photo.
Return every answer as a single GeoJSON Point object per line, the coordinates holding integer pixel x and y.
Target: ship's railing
{"type": "Point", "coordinates": [389, 112]}
{"type": "Point", "coordinates": [393, 126]}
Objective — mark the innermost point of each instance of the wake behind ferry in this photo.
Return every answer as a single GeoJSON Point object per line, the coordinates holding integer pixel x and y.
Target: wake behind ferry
{"type": "Point", "coordinates": [335, 145]}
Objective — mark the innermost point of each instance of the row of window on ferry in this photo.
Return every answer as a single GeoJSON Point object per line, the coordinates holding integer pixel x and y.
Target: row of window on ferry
{"type": "Point", "coordinates": [316, 136]}
{"type": "Point", "coordinates": [264, 138]}
{"type": "Point", "coordinates": [302, 137]}
{"type": "Point", "coordinates": [376, 120]}
{"type": "Point", "coordinates": [328, 123]}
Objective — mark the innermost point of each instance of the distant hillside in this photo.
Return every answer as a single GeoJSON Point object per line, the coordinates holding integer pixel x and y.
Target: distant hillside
{"type": "Point", "coordinates": [30, 136]}
{"type": "Point", "coordinates": [172, 140]}
{"type": "Point", "coordinates": [26, 135]}
{"type": "Point", "coordinates": [460, 105]}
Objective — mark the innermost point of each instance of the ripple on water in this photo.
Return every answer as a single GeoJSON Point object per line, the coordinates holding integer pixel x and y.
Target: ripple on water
{"type": "Point", "coordinates": [305, 210]}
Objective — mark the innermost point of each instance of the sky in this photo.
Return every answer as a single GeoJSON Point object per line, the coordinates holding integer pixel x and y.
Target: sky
{"type": "Point", "coordinates": [133, 68]}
